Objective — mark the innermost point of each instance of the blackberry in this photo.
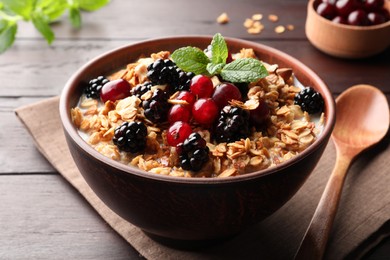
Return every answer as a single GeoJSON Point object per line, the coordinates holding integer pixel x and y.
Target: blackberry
{"type": "Point", "coordinates": [182, 81]}
{"type": "Point", "coordinates": [232, 125]}
{"type": "Point", "coordinates": [95, 86]}
{"type": "Point", "coordinates": [309, 100]}
{"type": "Point", "coordinates": [156, 108]}
{"type": "Point", "coordinates": [130, 137]}
{"type": "Point", "coordinates": [141, 89]}
{"type": "Point", "coordinates": [193, 153]}
{"type": "Point", "coordinates": [163, 72]}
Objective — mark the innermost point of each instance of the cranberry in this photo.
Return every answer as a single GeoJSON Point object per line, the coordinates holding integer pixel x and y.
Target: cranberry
{"type": "Point", "coordinates": [383, 11]}
{"type": "Point", "coordinates": [229, 58]}
{"type": "Point", "coordinates": [373, 5]}
{"type": "Point", "coordinates": [179, 113]}
{"type": "Point", "coordinates": [204, 111]}
{"type": "Point", "coordinates": [224, 93]}
{"type": "Point", "coordinates": [327, 10]}
{"type": "Point", "coordinates": [376, 18]}
{"type": "Point", "coordinates": [340, 20]}
{"type": "Point", "coordinates": [344, 7]}
{"type": "Point", "coordinates": [201, 86]}
{"type": "Point", "coordinates": [186, 96]}
{"type": "Point", "coordinates": [358, 17]}
{"type": "Point", "coordinates": [114, 90]}
{"type": "Point", "coordinates": [259, 115]}
{"type": "Point", "coordinates": [178, 132]}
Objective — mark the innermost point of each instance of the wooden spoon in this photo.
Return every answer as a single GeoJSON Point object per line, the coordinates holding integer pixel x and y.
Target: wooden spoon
{"type": "Point", "coordinates": [362, 120]}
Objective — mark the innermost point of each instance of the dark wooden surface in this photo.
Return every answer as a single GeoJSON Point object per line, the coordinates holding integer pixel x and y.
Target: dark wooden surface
{"type": "Point", "coordinates": [41, 216]}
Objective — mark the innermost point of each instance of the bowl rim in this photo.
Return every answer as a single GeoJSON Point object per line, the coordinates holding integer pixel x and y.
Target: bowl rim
{"type": "Point", "coordinates": [70, 129]}
{"type": "Point", "coordinates": [347, 26]}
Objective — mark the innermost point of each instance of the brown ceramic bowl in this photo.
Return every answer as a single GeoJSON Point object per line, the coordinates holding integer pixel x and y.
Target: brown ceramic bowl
{"type": "Point", "coordinates": [190, 209]}
{"type": "Point", "coordinates": [346, 41]}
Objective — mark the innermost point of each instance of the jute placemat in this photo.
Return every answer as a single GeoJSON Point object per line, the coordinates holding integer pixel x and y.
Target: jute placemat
{"type": "Point", "coordinates": [364, 207]}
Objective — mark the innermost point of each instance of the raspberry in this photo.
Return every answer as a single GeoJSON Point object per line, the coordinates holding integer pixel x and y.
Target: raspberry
{"type": "Point", "coordinates": [193, 153]}
{"type": "Point", "coordinates": [156, 108]}
{"type": "Point", "coordinates": [309, 100]}
{"type": "Point", "coordinates": [232, 125]}
{"type": "Point", "coordinates": [95, 86]}
{"type": "Point", "coordinates": [130, 137]}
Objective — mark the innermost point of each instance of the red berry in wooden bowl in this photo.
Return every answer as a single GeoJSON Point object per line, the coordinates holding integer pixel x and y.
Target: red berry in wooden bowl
{"type": "Point", "coordinates": [186, 96]}
{"type": "Point", "coordinates": [205, 111]}
{"type": "Point", "coordinates": [114, 90]}
{"type": "Point", "coordinates": [225, 92]}
{"type": "Point", "coordinates": [201, 86]}
{"type": "Point", "coordinates": [179, 113]}
{"type": "Point", "coordinates": [178, 132]}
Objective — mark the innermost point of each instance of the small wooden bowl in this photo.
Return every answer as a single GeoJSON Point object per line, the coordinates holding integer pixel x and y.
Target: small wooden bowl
{"type": "Point", "coordinates": [346, 41]}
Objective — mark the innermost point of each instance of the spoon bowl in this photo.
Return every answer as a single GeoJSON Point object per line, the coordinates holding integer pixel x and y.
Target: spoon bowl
{"type": "Point", "coordinates": [362, 120]}
{"type": "Point", "coordinates": [361, 117]}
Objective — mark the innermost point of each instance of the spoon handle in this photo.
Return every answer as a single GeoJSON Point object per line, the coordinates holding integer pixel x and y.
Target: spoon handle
{"type": "Point", "coordinates": [316, 236]}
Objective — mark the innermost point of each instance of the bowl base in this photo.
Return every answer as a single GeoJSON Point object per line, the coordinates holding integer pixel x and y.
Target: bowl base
{"type": "Point", "coordinates": [184, 244]}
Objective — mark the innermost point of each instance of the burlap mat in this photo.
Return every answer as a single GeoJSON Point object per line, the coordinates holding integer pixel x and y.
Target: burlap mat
{"type": "Point", "coordinates": [364, 208]}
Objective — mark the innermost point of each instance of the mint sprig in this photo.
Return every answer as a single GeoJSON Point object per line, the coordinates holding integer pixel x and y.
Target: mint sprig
{"type": "Point", "coordinates": [192, 59]}
{"type": "Point", "coordinates": [41, 13]}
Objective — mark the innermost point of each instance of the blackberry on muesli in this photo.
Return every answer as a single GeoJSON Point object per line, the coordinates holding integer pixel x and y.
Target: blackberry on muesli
{"type": "Point", "coordinates": [131, 137]}
{"type": "Point", "coordinates": [156, 108]}
{"type": "Point", "coordinates": [193, 153]}
{"type": "Point", "coordinates": [163, 72]}
{"type": "Point", "coordinates": [232, 125]}
{"type": "Point", "coordinates": [309, 100]}
{"type": "Point", "coordinates": [141, 89]}
{"type": "Point", "coordinates": [95, 86]}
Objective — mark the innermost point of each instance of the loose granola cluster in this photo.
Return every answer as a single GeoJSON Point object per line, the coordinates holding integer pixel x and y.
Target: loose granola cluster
{"type": "Point", "coordinates": [287, 132]}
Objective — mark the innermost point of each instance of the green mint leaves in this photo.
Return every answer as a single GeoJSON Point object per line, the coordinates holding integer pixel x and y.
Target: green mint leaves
{"type": "Point", "coordinates": [240, 70]}
{"type": "Point", "coordinates": [191, 59]}
{"type": "Point", "coordinates": [41, 13]}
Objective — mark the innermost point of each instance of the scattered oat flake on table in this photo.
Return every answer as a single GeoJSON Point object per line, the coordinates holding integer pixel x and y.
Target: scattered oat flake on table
{"type": "Point", "coordinates": [223, 18]}
{"type": "Point", "coordinates": [290, 27]}
{"type": "Point", "coordinates": [248, 23]}
{"type": "Point", "coordinates": [257, 17]}
{"type": "Point", "coordinates": [256, 28]}
{"type": "Point", "coordinates": [280, 29]}
{"type": "Point", "coordinates": [273, 17]}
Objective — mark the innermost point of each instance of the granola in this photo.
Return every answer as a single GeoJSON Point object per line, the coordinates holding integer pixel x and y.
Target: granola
{"type": "Point", "coordinates": [287, 132]}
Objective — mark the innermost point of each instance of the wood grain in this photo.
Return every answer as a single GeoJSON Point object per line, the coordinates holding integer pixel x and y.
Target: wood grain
{"type": "Point", "coordinates": [42, 217]}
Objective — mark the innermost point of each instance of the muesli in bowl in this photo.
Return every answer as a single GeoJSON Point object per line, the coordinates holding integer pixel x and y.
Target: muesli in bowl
{"type": "Point", "coordinates": [199, 113]}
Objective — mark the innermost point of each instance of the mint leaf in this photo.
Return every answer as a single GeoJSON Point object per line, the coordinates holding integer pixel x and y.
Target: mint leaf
{"type": "Point", "coordinates": [75, 17]}
{"type": "Point", "coordinates": [41, 23]}
{"type": "Point", "coordinates": [52, 9]}
{"type": "Point", "coordinates": [92, 5]}
{"type": "Point", "coordinates": [244, 70]}
{"type": "Point", "coordinates": [23, 8]}
{"type": "Point", "coordinates": [215, 68]}
{"type": "Point", "coordinates": [219, 49]}
{"type": "Point", "coordinates": [7, 34]}
{"type": "Point", "coordinates": [191, 59]}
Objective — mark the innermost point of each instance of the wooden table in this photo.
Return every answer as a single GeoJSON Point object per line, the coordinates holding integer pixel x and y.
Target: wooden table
{"type": "Point", "coordinates": [41, 215]}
